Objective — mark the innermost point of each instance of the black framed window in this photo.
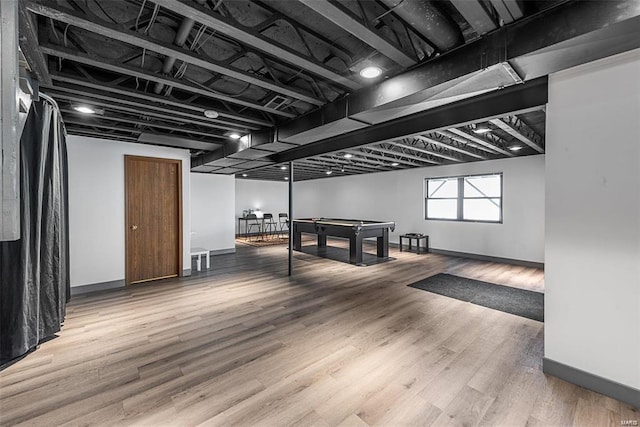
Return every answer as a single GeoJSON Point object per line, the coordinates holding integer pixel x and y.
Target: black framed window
{"type": "Point", "coordinates": [476, 198]}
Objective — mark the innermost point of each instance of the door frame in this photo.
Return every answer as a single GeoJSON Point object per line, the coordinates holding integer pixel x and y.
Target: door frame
{"type": "Point", "coordinates": [179, 249]}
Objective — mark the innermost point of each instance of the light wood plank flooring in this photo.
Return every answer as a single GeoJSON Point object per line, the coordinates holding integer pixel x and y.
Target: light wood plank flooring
{"type": "Point", "coordinates": [243, 344]}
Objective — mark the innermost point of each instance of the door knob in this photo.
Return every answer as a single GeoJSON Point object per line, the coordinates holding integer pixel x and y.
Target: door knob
{"type": "Point", "coordinates": [134, 227]}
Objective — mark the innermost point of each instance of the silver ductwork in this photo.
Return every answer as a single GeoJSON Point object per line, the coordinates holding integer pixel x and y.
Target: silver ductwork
{"type": "Point", "coordinates": [427, 20]}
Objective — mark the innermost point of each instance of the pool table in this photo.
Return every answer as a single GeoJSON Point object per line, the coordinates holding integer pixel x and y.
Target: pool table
{"type": "Point", "coordinates": [353, 229]}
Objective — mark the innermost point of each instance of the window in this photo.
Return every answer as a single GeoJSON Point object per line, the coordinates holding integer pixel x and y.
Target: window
{"type": "Point", "coordinates": [464, 198]}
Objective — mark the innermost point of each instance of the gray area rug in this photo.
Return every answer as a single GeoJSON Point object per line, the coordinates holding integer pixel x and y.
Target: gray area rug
{"type": "Point", "coordinates": [516, 301]}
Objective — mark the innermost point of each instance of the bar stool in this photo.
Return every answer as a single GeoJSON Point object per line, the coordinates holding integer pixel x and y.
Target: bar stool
{"type": "Point", "coordinates": [253, 222]}
{"type": "Point", "coordinates": [283, 220]}
{"type": "Point", "coordinates": [269, 224]}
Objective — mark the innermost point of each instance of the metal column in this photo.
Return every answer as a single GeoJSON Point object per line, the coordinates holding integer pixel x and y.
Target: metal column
{"type": "Point", "coordinates": [290, 218]}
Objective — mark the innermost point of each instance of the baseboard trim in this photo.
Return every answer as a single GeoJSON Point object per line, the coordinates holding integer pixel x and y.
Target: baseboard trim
{"type": "Point", "coordinates": [222, 251]}
{"type": "Point", "coordinates": [624, 393]}
{"type": "Point", "coordinates": [114, 284]}
{"type": "Point", "coordinates": [489, 258]}
{"type": "Point", "coordinates": [96, 287]}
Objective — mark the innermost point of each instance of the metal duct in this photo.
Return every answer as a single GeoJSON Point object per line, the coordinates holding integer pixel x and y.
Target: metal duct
{"type": "Point", "coordinates": [181, 37]}
{"type": "Point", "coordinates": [427, 20]}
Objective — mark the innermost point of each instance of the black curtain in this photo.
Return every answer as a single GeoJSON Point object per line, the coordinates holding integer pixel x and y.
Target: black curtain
{"type": "Point", "coordinates": [34, 270]}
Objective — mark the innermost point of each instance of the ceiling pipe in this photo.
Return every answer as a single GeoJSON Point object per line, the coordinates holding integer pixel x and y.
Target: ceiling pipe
{"type": "Point", "coordinates": [181, 37]}
{"type": "Point", "coordinates": [427, 20]}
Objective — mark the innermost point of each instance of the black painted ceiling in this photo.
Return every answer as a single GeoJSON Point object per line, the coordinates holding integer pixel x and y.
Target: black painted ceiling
{"type": "Point", "coordinates": [152, 68]}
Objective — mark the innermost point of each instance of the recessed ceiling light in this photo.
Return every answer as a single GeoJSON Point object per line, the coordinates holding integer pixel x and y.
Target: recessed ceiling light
{"type": "Point", "coordinates": [244, 175]}
{"type": "Point", "coordinates": [515, 148]}
{"type": "Point", "coordinates": [84, 109]}
{"type": "Point", "coordinates": [395, 164]}
{"type": "Point", "coordinates": [286, 178]}
{"type": "Point", "coordinates": [211, 114]}
{"type": "Point", "coordinates": [234, 136]}
{"type": "Point", "coordinates": [481, 130]}
{"type": "Point", "coordinates": [284, 168]}
{"type": "Point", "coordinates": [329, 172]}
{"type": "Point", "coordinates": [348, 156]}
{"type": "Point", "coordinates": [370, 72]}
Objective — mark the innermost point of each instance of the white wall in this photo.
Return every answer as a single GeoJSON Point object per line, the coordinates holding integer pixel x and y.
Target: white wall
{"type": "Point", "coordinates": [399, 196]}
{"type": "Point", "coordinates": [212, 211]}
{"type": "Point", "coordinates": [268, 196]}
{"type": "Point", "coordinates": [96, 206]}
{"type": "Point", "coordinates": [592, 275]}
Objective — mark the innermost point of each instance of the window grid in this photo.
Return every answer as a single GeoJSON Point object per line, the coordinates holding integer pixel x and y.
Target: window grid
{"type": "Point", "coordinates": [460, 198]}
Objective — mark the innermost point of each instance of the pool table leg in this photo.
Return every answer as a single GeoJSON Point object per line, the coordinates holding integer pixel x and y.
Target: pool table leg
{"type": "Point", "coordinates": [355, 250]}
{"type": "Point", "coordinates": [322, 240]}
{"type": "Point", "coordinates": [297, 240]}
{"type": "Point", "coordinates": [383, 244]}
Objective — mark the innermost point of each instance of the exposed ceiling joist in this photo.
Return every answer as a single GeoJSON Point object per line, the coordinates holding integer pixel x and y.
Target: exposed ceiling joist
{"type": "Point", "coordinates": [175, 141]}
{"type": "Point", "coordinates": [119, 33]}
{"type": "Point", "coordinates": [476, 15]}
{"type": "Point", "coordinates": [352, 164]}
{"type": "Point", "coordinates": [150, 124]}
{"type": "Point", "coordinates": [72, 130]}
{"type": "Point", "coordinates": [449, 147]}
{"type": "Point", "coordinates": [520, 131]}
{"type": "Point", "coordinates": [424, 151]}
{"type": "Point", "coordinates": [509, 10]}
{"type": "Point", "coordinates": [133, 108]}
{"type": "Point", "coordinates": [256, 40]}
{"type": "Point", "coordinates": [92, 124]}
{"type": "Point", "coordinates": [465, 141]}
{"type": "Point", "coordinates": [342, 18]}
{"type": "Point", "coordinates": [479, 141]}
{"type": "Point", "coordinates": [302, 168]}
{"type": "Point", "coordinates": [178, 127]}
{"type": "Point", "coordinates": [403, 155]}
{"type": "Point", "coordinates": [362, 152]}
{"type": "Point", "coordinates": [136, 72]}
{"type": "Point", "coordinates": [28, 40]}
{"type": "Point", "coordinates": [111, 90]}
{"type": "Point", "coordinates": [368, 158]}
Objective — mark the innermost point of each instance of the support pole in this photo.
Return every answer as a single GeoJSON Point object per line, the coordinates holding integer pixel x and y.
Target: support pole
{"type": "Point", "coordinates": [290, 218]}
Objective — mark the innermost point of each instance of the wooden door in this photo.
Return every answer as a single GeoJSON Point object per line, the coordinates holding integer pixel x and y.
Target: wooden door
{"type": "Point", "coordinates": [153, 218]}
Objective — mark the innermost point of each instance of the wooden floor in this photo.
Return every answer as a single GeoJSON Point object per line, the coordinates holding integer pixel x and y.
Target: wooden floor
{"type": "Point", "coordinates": [243, 344]}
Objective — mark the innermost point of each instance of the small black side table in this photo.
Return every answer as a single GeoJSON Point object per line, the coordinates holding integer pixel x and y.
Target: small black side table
{"type": "Point", "coordinates": [417, 238]}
